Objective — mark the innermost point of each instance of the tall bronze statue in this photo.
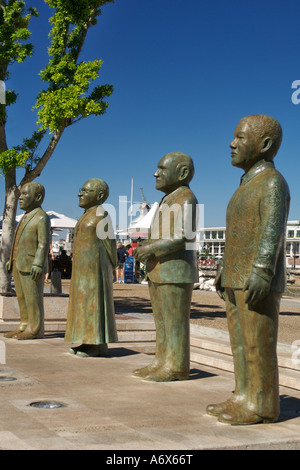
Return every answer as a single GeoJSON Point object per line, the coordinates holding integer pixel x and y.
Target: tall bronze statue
{"type": "Point", "coordinates": [171, 269]}
{"type": "Point", "coordinates": [27, 262]}
{"type": "Point", "coordinates": [91, 320]}
{"type": "Point", "coordinates": [252, 274]}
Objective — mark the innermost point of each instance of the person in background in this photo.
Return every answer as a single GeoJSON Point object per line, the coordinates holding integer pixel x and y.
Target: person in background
{"type": "Point", "coordinates": [121, 254]}
{"type": "Point", "coordinates": [128, 248]}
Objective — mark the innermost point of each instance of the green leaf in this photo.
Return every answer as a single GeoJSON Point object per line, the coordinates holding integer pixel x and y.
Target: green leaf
{"type": "Point", "coordinates": [12, 159]}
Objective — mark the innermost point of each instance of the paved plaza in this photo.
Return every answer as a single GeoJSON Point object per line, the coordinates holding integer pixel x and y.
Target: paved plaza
{"type": "Point", "coordinates": [103, 407]}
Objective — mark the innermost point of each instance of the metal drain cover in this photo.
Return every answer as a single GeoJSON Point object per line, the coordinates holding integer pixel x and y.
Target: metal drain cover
{"type": "Point", "coordinates": [5, 378]}
{"type": "Point", "coordinates": [46, 404]}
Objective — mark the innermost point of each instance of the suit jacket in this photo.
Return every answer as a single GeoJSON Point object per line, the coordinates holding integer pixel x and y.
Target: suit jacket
{"type": "Point", "coordinates": [172, 238]}
{"type": "Point", "coordinates": [31, 241]}
{"type": "Point", "coordinates": [255, 229]}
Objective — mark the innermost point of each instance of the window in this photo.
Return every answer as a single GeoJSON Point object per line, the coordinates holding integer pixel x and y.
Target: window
{"type": "Point", "coordinates": [290, 233]}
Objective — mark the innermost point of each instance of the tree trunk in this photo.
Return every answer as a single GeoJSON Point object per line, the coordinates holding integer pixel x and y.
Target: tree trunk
{"type": "Point", "coordinates": [12, 192]}
{"type": "Point", "coordinates": [8, 227]}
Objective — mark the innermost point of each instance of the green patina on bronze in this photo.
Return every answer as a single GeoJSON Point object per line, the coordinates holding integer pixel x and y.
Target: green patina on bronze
{"type": "Point", "coordinates": [171, 269]}
{"type": "Point", "coordinates": [252, 277]}
{"type": "Point", "coordinates": [90, 320]}
{"type": "Point", "coordinates": [27, 262]}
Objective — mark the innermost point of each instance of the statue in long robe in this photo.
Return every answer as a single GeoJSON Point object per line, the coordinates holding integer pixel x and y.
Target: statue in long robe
{"type": "Point", "coordinates": [91, 320]}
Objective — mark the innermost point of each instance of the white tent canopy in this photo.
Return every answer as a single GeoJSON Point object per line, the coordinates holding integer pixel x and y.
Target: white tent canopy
{"type": "Point", "coordinates": [143, 224]}
{"type": "Point", "coordinates": [58, 221]}
{"type": "Point", "coordinates": [139, 228]}
{"type": "Point", "coordinates": [61, 220]}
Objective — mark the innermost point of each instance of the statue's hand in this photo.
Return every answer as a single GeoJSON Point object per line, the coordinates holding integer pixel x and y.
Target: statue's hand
{"type": "Point", "coordinates": [257, 288]}
{"type": "Point", "coordinates": [36, 272]}
{"type": "Point", "coordinates": [143, 252]}
{"type": "Point", "coordinates": [220, 290]}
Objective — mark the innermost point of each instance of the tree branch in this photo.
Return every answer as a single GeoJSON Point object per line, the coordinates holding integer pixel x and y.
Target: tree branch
{"type": "Point", "coordinates": [36, 171]}
{"type": "Point", "coordinates": [88, 24]}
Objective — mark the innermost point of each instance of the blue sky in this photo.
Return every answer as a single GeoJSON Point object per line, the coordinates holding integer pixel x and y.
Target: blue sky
{"type": "Point", "coordinates": [184, 73]}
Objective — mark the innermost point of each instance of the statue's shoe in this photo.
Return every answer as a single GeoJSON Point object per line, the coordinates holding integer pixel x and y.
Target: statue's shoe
{"type": "Point", "coordinates": [11, 334]}
{"type": "Point", "coordinates": [27, 335]}
{"type": "Point", "coordinates": [219, 408]}
{"type": "Point", "coordinates": [165, 374]}
{"type": "Point", "coordinates": [243, 416]}
{"type": "Point", "coordinates": [91, 350]}
{"type": "Point", "coordinates": [144, 371]}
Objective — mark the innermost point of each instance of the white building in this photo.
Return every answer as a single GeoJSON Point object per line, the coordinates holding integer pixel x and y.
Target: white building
{"type": "Point", "coordinates": [211, 241]}
{"type": "Point", "coordinates": [293, 244]}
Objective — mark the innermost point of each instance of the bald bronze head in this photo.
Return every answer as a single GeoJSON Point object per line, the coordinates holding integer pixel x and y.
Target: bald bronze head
{"type": "Point", "coordinates": [93, 193]}
{"type": "Point", "coordinates": [173, 170]}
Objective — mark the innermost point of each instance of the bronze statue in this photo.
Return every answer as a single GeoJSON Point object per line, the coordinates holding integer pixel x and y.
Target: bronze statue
{"type": "Point", "coordinates": [27, 262]}
{"type": "Point", "coordinates": [91, 320]}
{"type": "Point", "coordinates": [252, 273]}
{"type": "Point", "coordinates": [171, 269]}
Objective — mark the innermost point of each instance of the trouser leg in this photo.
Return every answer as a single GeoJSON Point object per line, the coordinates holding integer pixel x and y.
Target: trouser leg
{"type": "Point", "coordinates": [176, 319]}
{"type": "Point", "coordinates": [160, 343]}
{"type": "Point", "coordinates": [31, 303]}
{"type": "Point", "coordinates": [239, 359]}
{"type": "Point", "coordinates": [260, 328]}
{"type": "Point", "coordinates": [157, 303]}
{"type": "Point", "coordinates": [171, 310]}
{"type": "Point", "coordinates": [254, 339]}
{"type": "Point", "coordinates": [22, 306]}
{"type": "Point", "coordinates": [237, 345]}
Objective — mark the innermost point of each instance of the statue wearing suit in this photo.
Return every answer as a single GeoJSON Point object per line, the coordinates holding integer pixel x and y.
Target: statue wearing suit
{"type": "Point", "coordinates": [27, 262]}
{"type": "Point", "coordinates": [171, 267]}
{"type": "Point", "coordinates": [252, 274]}
{"type": "Point", "coordinates": [91, 314]}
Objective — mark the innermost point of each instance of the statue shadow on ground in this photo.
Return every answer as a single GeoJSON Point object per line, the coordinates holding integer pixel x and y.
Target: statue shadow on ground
{"type": "Point", "coordinates": [56, 334]}
{"type": "Point", "coordinates": [197, 374]}
{"type": "Point", "coordinates": [117, 351]}
{"type": "Point", "coordinates": [289, 408]}
{"type": "Point", "coordinates": [211, 312]}
{"type": "Point", "coordinates": [289, 405]}
{"type": "Point", "coordinates": [132, 305]}
{"type": "Point", "coordinates": [139, 305]}
{"type": "Point", "coordinates": [291, 314]}
{"type": "Point", "coordinates": [120, 351]}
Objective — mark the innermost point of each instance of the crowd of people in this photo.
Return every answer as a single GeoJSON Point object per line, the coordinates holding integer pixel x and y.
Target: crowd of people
{"type": "Point", "coordinates": [123, 251]}
{"type": "Point", "coordinates": [63, 262]}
